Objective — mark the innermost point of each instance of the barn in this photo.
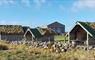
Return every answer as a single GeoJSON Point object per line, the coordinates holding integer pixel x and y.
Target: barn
{"type": "Point", "coordinates": [57, 27]}
{"type": "Point", "coordinates": [83, 33]}
{"type": "Point", "coordinates": [14, 32]}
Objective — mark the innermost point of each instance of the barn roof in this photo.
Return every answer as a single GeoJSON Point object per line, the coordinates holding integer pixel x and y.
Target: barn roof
{"type": "Point", "coordinates": [25, 28]}
{"type": "Point", "coordinates": [36, 33]}
{"type": "Point", "coordinates": [57, 24]}
{"type": "Point", "coordinates": [89, 26]}
{"type": "Point", "coordinates": [11, 29]}
{"type": "Point", "coordinates": [46, 31]}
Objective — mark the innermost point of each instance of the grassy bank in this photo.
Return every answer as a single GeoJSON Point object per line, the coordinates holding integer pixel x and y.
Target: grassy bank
{"type": "Point", "coordinates": [25, 52]}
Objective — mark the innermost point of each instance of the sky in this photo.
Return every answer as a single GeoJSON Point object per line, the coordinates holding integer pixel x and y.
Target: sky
{"type": "Point", "coordinates": [35, 13]}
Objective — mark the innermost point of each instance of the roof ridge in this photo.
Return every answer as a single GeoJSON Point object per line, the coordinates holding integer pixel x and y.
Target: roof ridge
{"type": "Point", "coordinates": [56, 22]}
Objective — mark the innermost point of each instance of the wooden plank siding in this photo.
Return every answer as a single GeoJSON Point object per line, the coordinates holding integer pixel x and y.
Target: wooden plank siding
{"type": "Point", "coordinates": [12, 37]}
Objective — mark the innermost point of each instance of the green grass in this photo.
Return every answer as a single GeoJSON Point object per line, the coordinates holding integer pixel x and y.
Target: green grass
{"type": "Point", "coordinates": [59, 38]}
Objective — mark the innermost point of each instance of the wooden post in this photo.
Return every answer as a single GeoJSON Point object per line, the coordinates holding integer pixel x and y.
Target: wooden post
{"type": "Point", "coordinates": [87, 42]}
{"type": "Point", "coordinates": [65, 39]}
{"type": "Point", "coordinates": [68, 37]}
{"type": "Point", "coordinates": [0, 37]}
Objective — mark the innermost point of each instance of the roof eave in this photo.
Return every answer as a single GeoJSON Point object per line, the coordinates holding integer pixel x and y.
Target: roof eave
{"type": "Point", "coordinates": [84, 28]}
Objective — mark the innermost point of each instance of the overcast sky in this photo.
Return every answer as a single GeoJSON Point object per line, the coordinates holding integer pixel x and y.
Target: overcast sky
{"type": "Point", "coordinates": [42, 12]}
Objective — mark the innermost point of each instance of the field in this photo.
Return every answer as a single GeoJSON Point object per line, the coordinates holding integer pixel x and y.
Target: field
{"type": "Point", "coordinates": [59, 37]}
{"type": "Point", "coordinates": [25, 52]}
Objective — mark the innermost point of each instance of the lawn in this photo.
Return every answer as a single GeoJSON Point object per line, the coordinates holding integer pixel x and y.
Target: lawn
{"type": "Point", "coordinates": [59, 37]}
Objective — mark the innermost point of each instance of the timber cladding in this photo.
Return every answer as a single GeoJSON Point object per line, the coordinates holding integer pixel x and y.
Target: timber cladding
{"type": "Point", "coordinates": [12, 32]}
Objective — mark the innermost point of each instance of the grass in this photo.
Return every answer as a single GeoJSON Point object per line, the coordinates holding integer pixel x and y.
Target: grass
{"type": "Point", "coordinates": [25, 52]}
{"type": "Point", "coordinates": [59, 37]}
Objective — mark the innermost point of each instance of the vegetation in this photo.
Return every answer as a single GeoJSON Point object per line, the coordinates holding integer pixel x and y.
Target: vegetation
{"type": "Point", "coordinates": [11, 29]}
{"type": "Point", "coordinates": [26, 52]}
{"type": "Point", "coordinates": [59, 37]}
